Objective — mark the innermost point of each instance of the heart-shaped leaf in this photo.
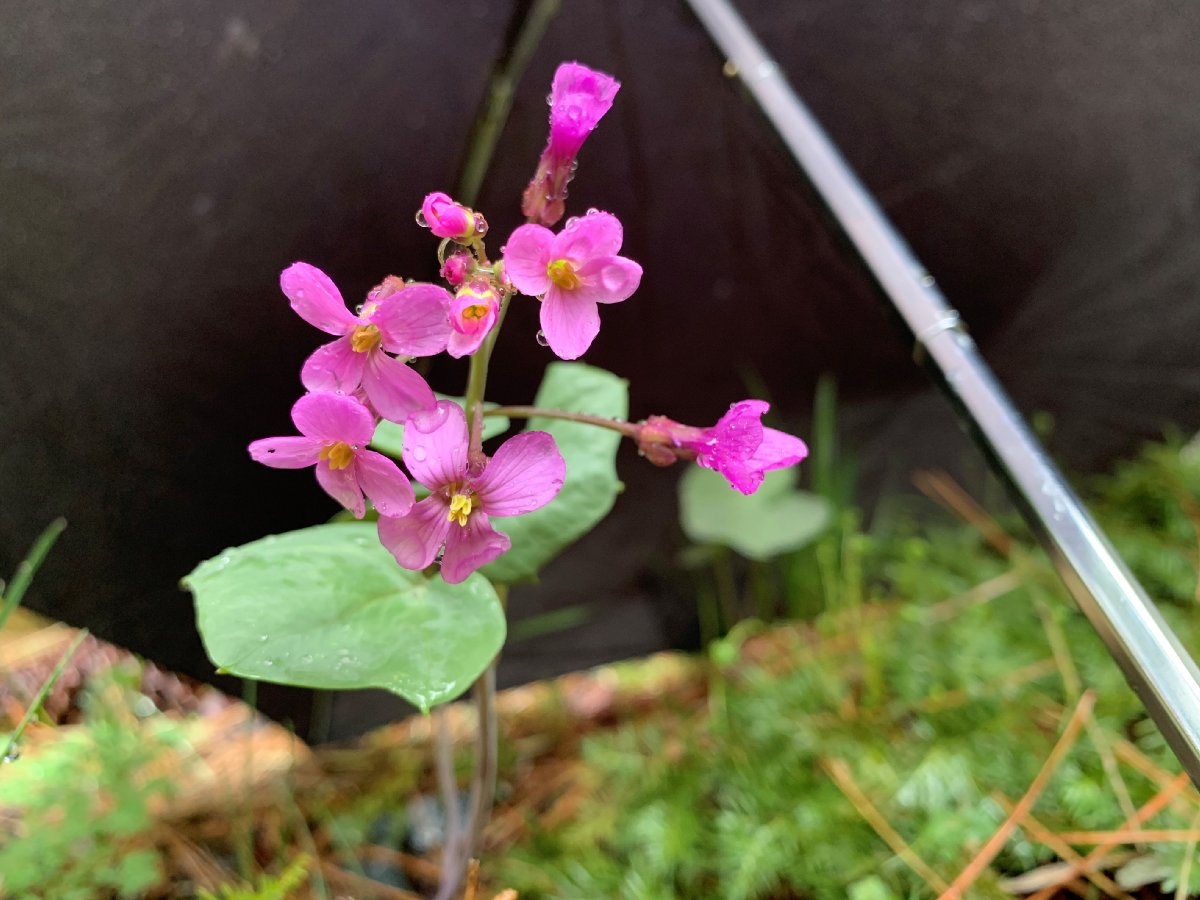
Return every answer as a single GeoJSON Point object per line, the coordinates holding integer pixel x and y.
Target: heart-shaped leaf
{"type": "Point", "coordinates": [328, 607]}
{"type": "Point", "coordinates": [774, 519]}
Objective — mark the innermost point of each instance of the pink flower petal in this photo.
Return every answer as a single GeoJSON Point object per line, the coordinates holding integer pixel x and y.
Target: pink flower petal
{"type": "Point", "coordinates": [394, 389]}
{"type": "Point", "coordinates": [316, 299]}
{"type": "Point", "coordinates": [740, 476]}
{"type": "Point", "coordinates": [778, 450]}
{"type": "Point", "coordinates": [382, 481]}
{"type": "Point", "coordinates": [415, 539]}
{"type": "Point", "coordinates": [335, 366]}
{"type": "Point", "coordinates": [330, 417]}
{"type": "Point", "coordinates": [579, 98]}
{"type": "Point", "coordinates": [285, 452]}
{"type": "Point", "coordinates": [586, 237]}
{"type": "Point", "coordinates": [525, 474]}
{"type": "Point", "coordinates": [342, 486]}
{"type": "Point", "coordinates": [470, 546]}
{"type": "Point", "coordinates": [461, 345]}
{"type": "Point", "coordinates": [569, 324]}
{"type": "Point", "coordinates": [414, 321]}
{"type": "Point", "coordinates": [609, 279]}
{"type": "Point", "coordinates": [435, 445]}
{"type": "Point", "coordinates": [526, 256]}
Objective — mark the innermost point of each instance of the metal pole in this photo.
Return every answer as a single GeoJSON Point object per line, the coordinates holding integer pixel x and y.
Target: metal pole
{"type": "Point", "coordinates": [1155, 664]}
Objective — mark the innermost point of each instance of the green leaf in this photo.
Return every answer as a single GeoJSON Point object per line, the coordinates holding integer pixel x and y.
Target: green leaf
{"type": "Point", "coordinates": [591, 486]}
{"type": "Point", "coordinates": [327, 607]}
{"type": "Point", "coordinates": [389, 437]}
{"type": "Point", "coordinates": [773, 520]}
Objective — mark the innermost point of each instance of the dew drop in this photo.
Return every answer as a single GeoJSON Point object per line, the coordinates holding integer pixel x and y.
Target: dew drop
{"type": "Point", "coordinates": [340, 392]}
{"type": "Point", "coordinates": [420, 217]}
{"type": "Point", "coordinates": [11, 756]}
{"type": "Point", "coordinates": [542, 339]}
{"type": "Point", "coordinates": [549, 99]}
{"type": "Point", "coordinates": [419, 454]}
{"type": "Point", "coordinates": [263, 638]}
{"type": "Point", "coordinates": [592, 211]}
{"type": "Point", "coordinates": [354, 446]}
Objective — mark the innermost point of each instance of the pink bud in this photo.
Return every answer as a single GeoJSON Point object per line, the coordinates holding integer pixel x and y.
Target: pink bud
{"type": "Point", "coordinates": [579, 98]}
{"type": "Point", "coordinates": [456, 267]}
{"type": "Point", "coordinates": [448, 219]}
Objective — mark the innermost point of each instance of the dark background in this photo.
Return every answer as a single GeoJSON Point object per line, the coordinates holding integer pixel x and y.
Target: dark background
{"type": "Point", "coordinates": [160, 162]}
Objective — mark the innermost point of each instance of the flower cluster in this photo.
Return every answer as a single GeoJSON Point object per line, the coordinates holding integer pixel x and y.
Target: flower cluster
{"type": "Point", "coordinates": [363, 375]}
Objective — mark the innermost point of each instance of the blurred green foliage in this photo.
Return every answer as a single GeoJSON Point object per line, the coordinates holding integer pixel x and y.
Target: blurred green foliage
{"type": "Point", "coordinates": [936, 695]}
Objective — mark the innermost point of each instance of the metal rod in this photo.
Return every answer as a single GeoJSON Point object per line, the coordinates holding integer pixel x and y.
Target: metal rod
{"type": "Point", "coordinates": [1155, 664]}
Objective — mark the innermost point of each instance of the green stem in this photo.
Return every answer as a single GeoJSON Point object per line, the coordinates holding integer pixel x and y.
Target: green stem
{"type": "Point", "coordinates": [506, 75]}
{"type": "Point", "coordinates": [629, 429]}
{"type": "Point", "coordinates": [28, 568]}
{"type": "Point", "coordinates": [42, 693]}
{"type": "Point", "coordinates": [487, 742]}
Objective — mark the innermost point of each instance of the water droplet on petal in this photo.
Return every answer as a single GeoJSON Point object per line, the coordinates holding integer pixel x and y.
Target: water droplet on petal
{"type": "Point", "coordinates": [592, 211]}
{"type": "Point", "coordinates": [542, 339]}
{"type": "Point", "coordinates": [420, 217]}
{"type": "Point", "coordinates": [419, 454]}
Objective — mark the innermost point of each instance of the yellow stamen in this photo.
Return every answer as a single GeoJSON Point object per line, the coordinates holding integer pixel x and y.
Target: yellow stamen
{"type": "Point", "coordinates": [475, 311]}
{"type": "Point", "coordinates": [339, 453]}
{"type": "Point", "coordinates": [364, 338]}
{"type": "Point", "coordinates": [562, 273]}
{"type": "Point", "coordinates": [460, 509]}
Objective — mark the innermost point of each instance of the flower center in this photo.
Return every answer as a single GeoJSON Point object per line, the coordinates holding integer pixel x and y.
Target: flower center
{"type": "Point", "coordinates": [562, 273]}
{"type": "Point", "coordinates": [339, 454]}
{"type": "Point", "coordinates": [364, 338]}
{"type": "Point", "coordinates": [460, 508]}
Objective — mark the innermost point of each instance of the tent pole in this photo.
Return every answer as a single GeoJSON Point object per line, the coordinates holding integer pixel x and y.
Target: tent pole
{"type": "Point", "coordinates": [1156, 666]}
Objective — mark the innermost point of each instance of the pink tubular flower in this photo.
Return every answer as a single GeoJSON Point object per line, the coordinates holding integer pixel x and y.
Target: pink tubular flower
{"type": "Point", "coordinates": [448, 219]}
{"type": "Point", "coordinates": [572, 272]}
{"type": "Point", "coordinates": [525, 474]}
{"type": "Point", "coordinates": [410, 320]}
{"type": "Point", "coordinates": [335, 430]}
{"type": "Point", "coordinates": [472, 316]}
{"type": "Point", "coordinates": [579, 98]}
{"type": "Point", "coordinates": [738, 446]}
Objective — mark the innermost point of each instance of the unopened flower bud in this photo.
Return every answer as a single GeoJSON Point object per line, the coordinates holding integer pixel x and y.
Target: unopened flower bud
{"type": "Point", "coordinates": [578, 100]}
{"type": "Point", "coordinates": [447, 219]}
{"type": "Point", "coordinates": [393, 284]}
{"type": "Point", "coordinates": [456, 267]}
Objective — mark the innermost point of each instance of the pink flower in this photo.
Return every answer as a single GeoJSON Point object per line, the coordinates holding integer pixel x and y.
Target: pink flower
{"type": "Point", "coordinates": [572, 272]}
{"type": "Point", "coordinates": [448, 219]}
{"type": "Point", "coordinates": [472, 316]}
{"type": "Point", "coordinates": [410, 320]}
{"type": "Point", "coordinates": [525, 474]}
{"type": "Point", "coordinates": [738, 446]}
{"type": "Point", "coordinates": [335, 430]}
{"type": "Point", "coordinates": [579, 98]}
